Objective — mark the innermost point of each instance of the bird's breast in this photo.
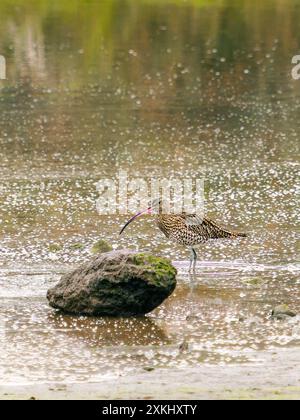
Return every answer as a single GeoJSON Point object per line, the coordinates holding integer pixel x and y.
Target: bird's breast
{"type": "Point", "coordinates": [163, 227]}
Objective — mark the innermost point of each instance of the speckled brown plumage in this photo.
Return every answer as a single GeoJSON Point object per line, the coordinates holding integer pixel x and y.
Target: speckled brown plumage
{"type": "Point", "coordinates": [191, 230]}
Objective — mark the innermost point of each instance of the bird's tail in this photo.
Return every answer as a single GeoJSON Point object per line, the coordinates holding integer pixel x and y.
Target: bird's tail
{"type": "Point", "coordinates": [238, 235]}
{"type": "Point", "coordinates": [214, 231]}
{"type": "Point", "coordinates": [230, 234]}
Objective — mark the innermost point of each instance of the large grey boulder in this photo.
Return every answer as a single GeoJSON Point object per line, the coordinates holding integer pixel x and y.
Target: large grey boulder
{"type": "Point", "coordinates": [117, 283]}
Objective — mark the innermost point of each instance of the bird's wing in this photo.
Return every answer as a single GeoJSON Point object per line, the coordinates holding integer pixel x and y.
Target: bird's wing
{"type": "Point", "coordinates": [204, 227]}
{"type": "Point", "coordinates": [193, 220]}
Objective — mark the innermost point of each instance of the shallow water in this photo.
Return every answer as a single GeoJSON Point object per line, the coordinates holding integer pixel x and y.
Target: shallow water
{"type": "Point", "coordinates": [167, 89]}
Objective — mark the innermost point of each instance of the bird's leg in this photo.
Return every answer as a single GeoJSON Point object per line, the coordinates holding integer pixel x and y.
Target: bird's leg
{"type": "Point", "coordinates": [192, 279]}
{"type": "Point", "coordinates": [193, 260]}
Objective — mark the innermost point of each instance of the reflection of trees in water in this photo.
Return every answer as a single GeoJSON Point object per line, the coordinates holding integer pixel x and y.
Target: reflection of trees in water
{"type": "Point", "coordinates": [137, 331]}
{"type": "Point", "coordinates": [110, 66]}
{"type": "Point", "coordinates": [112, 57]}
{"type": "Point", "coordinates": [100, 35]}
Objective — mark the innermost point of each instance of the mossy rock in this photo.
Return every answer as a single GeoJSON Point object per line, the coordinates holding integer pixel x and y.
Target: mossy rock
{"type": "Point", "coordinates": [100, 247]}
{"type": "Point", "coordinates": [55, 248]}
{"type": "Point", "coordinates": [76, 246]}
{"type": "Point", "coordinates": [282, 312]}
{"type": "Point", "coordinates": [116, 283]}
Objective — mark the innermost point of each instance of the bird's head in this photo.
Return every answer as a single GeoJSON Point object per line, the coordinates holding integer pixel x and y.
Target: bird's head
{"type": "Point", "coordinates": [154, 206]}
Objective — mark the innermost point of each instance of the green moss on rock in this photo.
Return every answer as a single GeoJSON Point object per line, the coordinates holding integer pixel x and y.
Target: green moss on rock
{"type": "Point", "coordinates": [77, 246]}
{"type": "Point", "coordinates": [101, 246]}
{"type": "Point", "coordinates": [55, 247]}
{"type": "Point", "coordinates": [160, 267]}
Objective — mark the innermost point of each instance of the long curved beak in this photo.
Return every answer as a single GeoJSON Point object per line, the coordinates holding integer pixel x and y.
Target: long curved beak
{"type": "Point", "coordinates": [148, 210]}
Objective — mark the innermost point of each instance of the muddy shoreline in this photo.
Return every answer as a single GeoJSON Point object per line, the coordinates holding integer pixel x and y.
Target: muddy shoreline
{"type": "Point", "coordinates": [249, 381]}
